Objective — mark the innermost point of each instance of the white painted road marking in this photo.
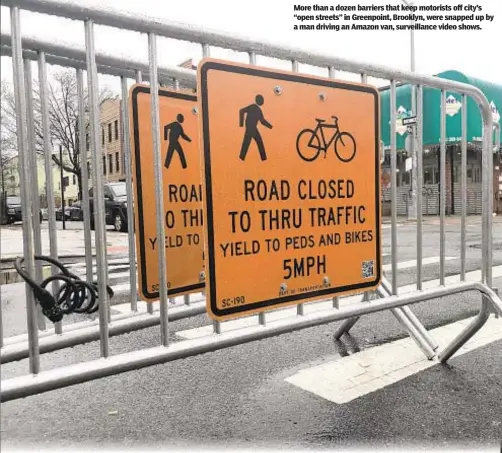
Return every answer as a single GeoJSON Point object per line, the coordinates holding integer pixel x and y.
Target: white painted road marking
{"type": "Point", "coordinates": [365, 372]}
{"type": "Point", "coordinates": [324, 304]}
{"type": "Point", "coordinates": [413, 263]}
{"type": "Point", "coordinates": [387, 226]}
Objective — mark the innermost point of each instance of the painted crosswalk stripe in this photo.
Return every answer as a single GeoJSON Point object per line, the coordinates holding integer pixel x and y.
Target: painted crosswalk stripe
{"type": "Point", "coordinates": [359, 374]}
{"type": "Point", "coordinates": [325, 304]}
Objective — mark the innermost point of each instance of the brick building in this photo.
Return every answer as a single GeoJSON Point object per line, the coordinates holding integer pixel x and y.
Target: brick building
{"type": "Point", "coordinates": [111, 141]}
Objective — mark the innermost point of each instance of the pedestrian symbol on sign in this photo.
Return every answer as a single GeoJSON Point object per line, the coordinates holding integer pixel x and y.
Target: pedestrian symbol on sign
{"type": "Point", "coordinates": [175, 131]}
{"type": "Point", "coordinates": [254, 115]}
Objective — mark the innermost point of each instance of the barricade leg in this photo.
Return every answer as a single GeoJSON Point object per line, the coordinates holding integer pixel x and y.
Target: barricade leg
{"type": "Point", "coordinates": [348, 323]}
{"type": "Point", "coordinates": [409, 322]}
{"type": "Point", "coordinates": [464, 336]}
{"type": "Point", "coordinates": [412, 317]}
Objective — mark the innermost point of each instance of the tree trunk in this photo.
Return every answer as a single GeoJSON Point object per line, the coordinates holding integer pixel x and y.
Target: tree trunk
{"type": "Point", "coordinates": [79, 182]}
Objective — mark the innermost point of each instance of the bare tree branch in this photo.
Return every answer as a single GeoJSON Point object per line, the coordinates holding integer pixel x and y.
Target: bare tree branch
{"type": "Point", "coordinates": [64, 121]}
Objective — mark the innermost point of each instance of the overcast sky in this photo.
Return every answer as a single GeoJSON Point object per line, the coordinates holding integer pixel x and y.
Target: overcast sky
{"type": "Point", "coordinates": [475, 53]}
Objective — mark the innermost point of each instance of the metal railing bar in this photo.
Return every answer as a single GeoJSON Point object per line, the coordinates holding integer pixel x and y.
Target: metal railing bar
{"type": "Point", "coordinates": [442, 190]}
{"type": "Point", "coordinates": [159, 198]}
{"type": "Point", "coordinates": [85, 176]}
{"type": "Point", "coordinates": [126, 149]}
{"type": "Point", "coordinates": [32, 158]}
{"type": "Point", "coordinates": [420, 183]}
{"type": "Point", "coordinates": [124, 325]}
{"type": "Point", "coordinates": [49, 178]}
{"type": "Point", "coordinates": [24, 177]}
{"type": "Point", "coordinates": [393, 151]}
{"type": "Point", "coordinates": [82, 372]}
{"type": "Point", "coordinates": [102, 60]}
{"type": "Point", "coordinates": [463, 189]}
{"type": "Point", "coordinates": [98, 190]}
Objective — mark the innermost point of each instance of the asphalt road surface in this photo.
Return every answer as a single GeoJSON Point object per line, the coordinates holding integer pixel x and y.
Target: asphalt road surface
{"type": "Point", "coordinates": [242, 396]}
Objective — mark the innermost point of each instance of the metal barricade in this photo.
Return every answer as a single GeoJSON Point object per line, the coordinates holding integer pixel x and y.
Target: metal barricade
{"type": "Point", "coordinates": [33, 344]}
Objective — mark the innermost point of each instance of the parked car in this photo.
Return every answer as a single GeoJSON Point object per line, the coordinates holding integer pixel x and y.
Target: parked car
{"type": "Point", "coordinates": [76, 212]}
{"type": "Point", "coordinates": [59, 215]}
{"type": "Point", "coordinates": [115, 206]}
{"type": "Point", "coordinates": [11, 210]}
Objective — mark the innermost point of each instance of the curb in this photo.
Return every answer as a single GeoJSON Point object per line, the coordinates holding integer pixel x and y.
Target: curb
{"type": "Point", "coordinates": [14, 257]}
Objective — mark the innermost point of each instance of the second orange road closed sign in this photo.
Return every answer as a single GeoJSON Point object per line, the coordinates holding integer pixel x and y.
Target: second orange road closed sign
{"type": "Point", "coordinates": [291, 187]}
{"type": "Point", "coordinates": [181, 186]}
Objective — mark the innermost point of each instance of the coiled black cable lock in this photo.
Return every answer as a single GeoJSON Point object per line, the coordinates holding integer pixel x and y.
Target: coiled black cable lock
{"type": "Point", "coordinates": [74, 295]}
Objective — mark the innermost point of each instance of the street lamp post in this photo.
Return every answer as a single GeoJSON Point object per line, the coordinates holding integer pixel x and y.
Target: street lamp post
{"type": "Point", "coordinates": [412, 213]}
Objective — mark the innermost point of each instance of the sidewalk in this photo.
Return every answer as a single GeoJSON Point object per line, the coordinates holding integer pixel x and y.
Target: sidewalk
{"type": "Point", "coordinates": [70, 243]}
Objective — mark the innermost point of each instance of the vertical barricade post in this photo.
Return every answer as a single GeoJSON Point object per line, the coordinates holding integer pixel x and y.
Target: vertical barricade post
{"type": "Point", "coordinates": [420, 182]}
{"type": "Point", "coordinates": [159, 200]}
{"type": "Point", "coordinates": [463, 190]}
{"type": "Point", "coordinates": [98, 191]}
{"type": "Point", "coordinates": [442, 190]}
{"type": "Point", "coordinates": [336, 299]}
{"type": "Point", "coordinates": [32, 159]}
{"type": "Point", "coordinates": [49, 178]}
{"type": "Point", "coordinates": [393, 165]}
{"type": "Point", "coordinates": [216, 324]}
{"type": "Point", "coordinates": [299, 307]}
{"type": "Point", "coordinates": [488, 169]}
{"type": "Point", "coordinates": [366, 295]}
{"type": "Point", "coordinates": [126, 149]}
{"type": "Point", "coordinates": [82, 136]}
{"type": "Point", "coordinates": [261, 316]}
{"type": "Point", "coordinates": [24, 177]}
{"type": "Point", "coordinates": [139, 79]}
{"type": "Point", "coordinates": [1, 305]}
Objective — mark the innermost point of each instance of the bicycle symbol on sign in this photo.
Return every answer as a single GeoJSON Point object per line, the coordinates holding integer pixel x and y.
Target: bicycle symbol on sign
{"type": "Point", "coordinates": [310, 143]}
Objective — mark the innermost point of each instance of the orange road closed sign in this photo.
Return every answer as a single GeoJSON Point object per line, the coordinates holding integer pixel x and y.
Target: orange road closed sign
{"type": "Point", "coordinates": [291, 187]}
{"type": "Point", "coordinates": [181, 186]}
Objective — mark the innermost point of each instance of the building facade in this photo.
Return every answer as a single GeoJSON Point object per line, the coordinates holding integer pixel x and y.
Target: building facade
{"type": "Point", "coordinates": [111, 141]}
{"type": "Point", "coordinates": [10, 182]}
{"type": "Point", "coordinates": [430, 151]}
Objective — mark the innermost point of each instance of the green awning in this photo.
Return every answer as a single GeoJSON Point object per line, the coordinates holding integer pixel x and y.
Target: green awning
{"type": "Point", "coordinates": [432, 111]}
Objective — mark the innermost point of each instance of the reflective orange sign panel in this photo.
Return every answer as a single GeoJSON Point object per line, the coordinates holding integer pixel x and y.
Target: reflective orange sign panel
{"type": "Point", "coordinates": [291, 187]}
{"type": "Point", "coordinates": [181, 186]}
